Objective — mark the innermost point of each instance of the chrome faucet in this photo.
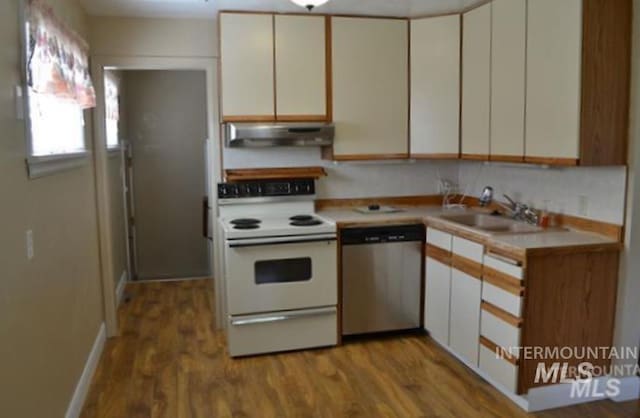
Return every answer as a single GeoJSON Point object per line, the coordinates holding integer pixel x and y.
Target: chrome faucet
{"type": "Point", "coordinates": [520, 211]}
{"type": "Point", "coordinates": [487, 196]}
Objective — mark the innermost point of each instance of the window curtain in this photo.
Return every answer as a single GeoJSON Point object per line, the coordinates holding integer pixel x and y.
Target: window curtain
{"type": "Point", "coordinates": [58, 59]}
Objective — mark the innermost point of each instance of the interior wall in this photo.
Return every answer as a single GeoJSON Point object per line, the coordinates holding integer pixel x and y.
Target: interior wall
{"type": "Point", "coordinates": [115, 167]}
{"type": "Point", "coordinates": [50, 306]}
{"type": "Point", "coordinates": [590, 192]}
{"type": "Point", "coordinates": [153, 37]}
{"type": "Point", "coordinates": [167, 127]}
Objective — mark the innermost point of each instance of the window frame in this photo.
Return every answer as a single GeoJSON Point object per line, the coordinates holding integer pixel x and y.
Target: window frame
{"type": "Point", "coordinates": [43, 165]}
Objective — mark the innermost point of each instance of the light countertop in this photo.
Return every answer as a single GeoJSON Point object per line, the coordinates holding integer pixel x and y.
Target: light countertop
{"type": "Point", "coordinates": [522, 243]}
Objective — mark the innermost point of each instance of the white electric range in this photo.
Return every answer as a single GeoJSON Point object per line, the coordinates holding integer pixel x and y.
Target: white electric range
{"type": "Point", "coordinates": [280, 267]}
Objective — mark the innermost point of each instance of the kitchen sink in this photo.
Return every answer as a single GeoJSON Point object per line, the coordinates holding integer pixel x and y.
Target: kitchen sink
{"type": "Point", "coordinates": [492, 224]}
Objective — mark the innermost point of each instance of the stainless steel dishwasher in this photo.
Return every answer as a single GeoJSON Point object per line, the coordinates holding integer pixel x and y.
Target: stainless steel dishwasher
{"type": "Point", "coordinates": [381, 278]}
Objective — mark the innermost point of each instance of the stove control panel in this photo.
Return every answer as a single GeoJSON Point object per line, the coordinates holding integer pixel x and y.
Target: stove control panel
{"type": "Point", "coordinates": [266, 188]}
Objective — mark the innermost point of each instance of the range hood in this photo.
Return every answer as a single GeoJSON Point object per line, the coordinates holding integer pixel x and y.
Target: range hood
{"type": "Point", "coordinates": [315, 134]}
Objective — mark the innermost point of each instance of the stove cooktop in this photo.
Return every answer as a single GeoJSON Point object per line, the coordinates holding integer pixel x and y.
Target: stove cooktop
{"type": "Point", "coordinates": [255, 227]}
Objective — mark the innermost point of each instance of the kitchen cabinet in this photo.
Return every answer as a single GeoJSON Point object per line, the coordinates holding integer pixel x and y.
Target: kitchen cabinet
{"type": "Point", "coordinates": [437, 298]}
{"type": "Point", "coordinates": [481, 298]}
{"type": "Point", "coordinates": [247, 67]}
{"type": "Point", "coordinates": [508, 42]}
{"type": "Point", "coordinates": [435, 87]}
{"type": "Point", "coordinates": [370, 88]}
{"type": "Point", "coordinates": [476, 79]}
{"type": "Point", "coordinates": [300, 63]}
{"type": "Point", "coordinates": [273, 67]}
{"type": "Point", "coordinates": [578, 64]}
{"type": "Point", "coordinates": [464, 331]}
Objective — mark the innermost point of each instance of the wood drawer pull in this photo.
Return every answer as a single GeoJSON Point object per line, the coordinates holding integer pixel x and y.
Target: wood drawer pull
{"type": "Point", "coordinates": [504, 259]}
{"type": "Point", "coordinates": [494, 347]}
{"type": "Point", "coordinates": [502, 283]}
{"type": "Point", "coordinates": [501, 314]}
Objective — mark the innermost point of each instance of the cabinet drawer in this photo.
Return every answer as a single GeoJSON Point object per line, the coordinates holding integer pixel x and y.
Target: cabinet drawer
{"type": "Point", "coordinates": [439, 239]}
{"type": "Point", "coordinates": [502, 333]}
{"type": "Point", "coordinates": [468, 249]}
{"type": "Point", "coordinates": [504, 265]}
{"type": "Point", "coordinates": [502, 299]}
{"type": "Point", "coordinates": [500, 370]}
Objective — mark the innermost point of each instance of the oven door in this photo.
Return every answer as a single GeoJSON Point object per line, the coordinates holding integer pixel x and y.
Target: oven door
{"type": "Point", "coordinates": [274, 274]}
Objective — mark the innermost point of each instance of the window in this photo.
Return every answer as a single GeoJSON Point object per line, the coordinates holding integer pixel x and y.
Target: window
{"type": "Point", "coordinates": [112, 108]}
{"type": "Point", "coordinates": [58, 90]}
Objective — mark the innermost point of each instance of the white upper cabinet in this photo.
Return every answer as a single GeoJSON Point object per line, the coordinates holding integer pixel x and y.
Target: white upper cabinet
{"type": "Point", "coordinates": [508, 42]}
{"type": "Point", "coordinates": [435, 87]}
{"type": "Point", "coordinates": [300, 44]}
{"type": "Point", "coordinates": [476, 79]}
{"type": "Point", "coordinates": [370, 88]}
{"type": "Point", "coordinates": [246, 49]}
{"type": "Point", "coordinates": [554, 52]}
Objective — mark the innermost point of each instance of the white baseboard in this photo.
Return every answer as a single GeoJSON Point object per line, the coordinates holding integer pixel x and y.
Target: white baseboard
{"type": "Point", "coordinates": [82, 388]}
{"type": "Point", "coordinates": [122, 283]}
{"type": "Point", "coordinates": [629, 389]}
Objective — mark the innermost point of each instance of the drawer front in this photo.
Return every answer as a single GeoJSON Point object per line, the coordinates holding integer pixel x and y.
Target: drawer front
{"type": "Point", "coordinates": [439, 239]}
{"type": "Point", "coordinates": [498, 369]}
{"type": "Point", "coordinates": [502, 299]}
{"type": "Point", "coordinates": [468, 249]}
{"type": "Point", "coordinates": [282, 331]}
{"type": "Point", "coordinates": [509, 268]}
{"type": "Point", "coordinates": [503, 334]}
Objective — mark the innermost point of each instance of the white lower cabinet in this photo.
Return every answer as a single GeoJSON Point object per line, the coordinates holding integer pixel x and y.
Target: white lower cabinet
{"type": "Point", "coordinates": [437, 297]}
{"type": "Point", "coordinates": [500, 370]}
{"type": "Point", "coordinates": [464, 329]}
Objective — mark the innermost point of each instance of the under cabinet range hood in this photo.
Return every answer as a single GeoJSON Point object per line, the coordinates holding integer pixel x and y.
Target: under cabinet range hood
{"type": "Point", "coordinates": [246, 135]}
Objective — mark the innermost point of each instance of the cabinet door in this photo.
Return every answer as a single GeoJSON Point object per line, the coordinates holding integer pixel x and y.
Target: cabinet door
{"type": "Point", "coordinates": [476, 78]}
{"type": "Point", "coordinates": [301, 92]}
{"type": "Point", "coordinates": [435, 87]}
{"type": "Point", "coordinates": [554, 51]}
{"type": "Point", "coordinates": [508, 31]}
{"type": "Point", "coordinates": [437, 293]}
{"type": "Point", "coordinates": [370, 88]}
{"type": "Point", "coordinates": [246, 51]}
{"type": "Point", "coordinates": [464, 334]}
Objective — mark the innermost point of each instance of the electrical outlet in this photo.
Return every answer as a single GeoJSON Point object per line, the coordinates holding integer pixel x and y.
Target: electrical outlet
{"type": "Point", "coordinates": [29, 239]}
{"type": "Point", "coordinates": [583, 205]}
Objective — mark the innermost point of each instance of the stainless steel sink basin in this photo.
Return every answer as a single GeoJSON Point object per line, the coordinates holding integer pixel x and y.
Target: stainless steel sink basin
{"type": "Point", "coordinates": [492, 224]}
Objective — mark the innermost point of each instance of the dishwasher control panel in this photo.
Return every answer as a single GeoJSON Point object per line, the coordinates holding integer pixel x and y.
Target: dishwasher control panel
{"type": "Point", "coordinates": [382, 234]}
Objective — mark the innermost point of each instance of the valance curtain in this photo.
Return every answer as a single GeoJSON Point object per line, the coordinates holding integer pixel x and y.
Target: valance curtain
{"type": "Point", "coordinates": [58, 59]}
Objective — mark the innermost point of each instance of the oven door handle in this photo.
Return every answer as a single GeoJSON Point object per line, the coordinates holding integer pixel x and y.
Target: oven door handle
{"type": "Point", "coordinates": [284, 316]}
{"type": "Point", "coordinates": [280, 240]}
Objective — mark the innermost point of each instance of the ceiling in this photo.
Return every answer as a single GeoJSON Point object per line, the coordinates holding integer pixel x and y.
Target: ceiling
{"type": "Point", "coordinates": [209, 8]}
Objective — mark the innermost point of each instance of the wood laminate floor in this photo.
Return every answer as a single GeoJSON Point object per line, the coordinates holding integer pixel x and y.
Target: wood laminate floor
{"type": "Point", "coordinates": [169, 362]}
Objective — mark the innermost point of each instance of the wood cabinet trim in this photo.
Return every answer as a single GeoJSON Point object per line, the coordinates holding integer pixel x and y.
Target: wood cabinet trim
{"type": "Point", "coordinates": [249, 118]}
{"type": "Point", "coordinates": [469, 267]}
{"type": "Point", "coordinates": [328, 62]}
{"type": "Point", "coordinates": [475, 157]}
{"type": "Point", "coordinates": [496, 349]}
{"type": "Point", "coordinates": [504, 282]}
{"type": "Point", "coordinates": [551, 161]}
{"type": "Point", "coordinates": [501, 314]}
{"type": "Point", "coordinates": [435, 156]}
{"type": "Point", "coordinates": [238, 174]}
{"type": "Point", "coordinates": [507, 158]}
{"type": "Point", "coordinates": [370, 157]}
{"type": "Point", "coordinates": [438, 254]}
{"type": "Point", "coordinates": [301, 118]}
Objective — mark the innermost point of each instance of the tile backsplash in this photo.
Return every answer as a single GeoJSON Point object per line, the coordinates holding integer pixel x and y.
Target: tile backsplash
{"type": "Point", "coordinates": [593, 192]}
{"type": "Point", "coordinates": [590, 192]}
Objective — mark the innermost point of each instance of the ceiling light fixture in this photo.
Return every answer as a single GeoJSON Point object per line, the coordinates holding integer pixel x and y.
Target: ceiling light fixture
{"type": "Point", "coordinates": [309, 4]}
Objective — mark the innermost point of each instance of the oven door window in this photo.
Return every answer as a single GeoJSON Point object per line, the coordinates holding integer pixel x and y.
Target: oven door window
{"type": "Point", "coordinates": [283, 270]}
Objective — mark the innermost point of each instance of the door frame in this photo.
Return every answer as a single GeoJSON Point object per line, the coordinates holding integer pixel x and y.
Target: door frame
{"type": "Point", "coordinates": [98, 65]}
